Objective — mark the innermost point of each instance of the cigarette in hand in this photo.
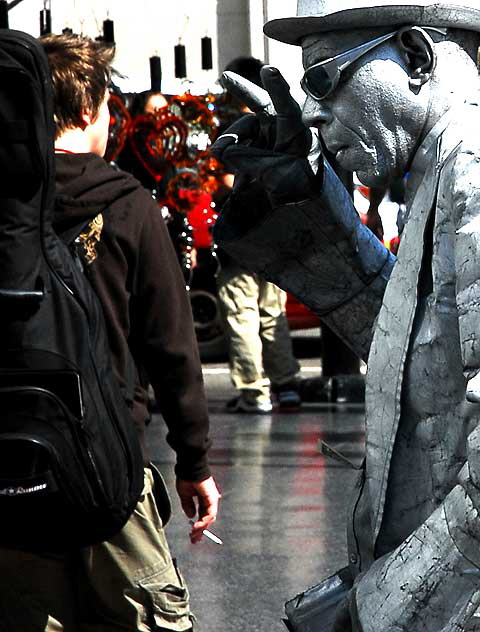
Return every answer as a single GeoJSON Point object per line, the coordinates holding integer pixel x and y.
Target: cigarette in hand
{"type": "Point", "coordinates": [208, 534]}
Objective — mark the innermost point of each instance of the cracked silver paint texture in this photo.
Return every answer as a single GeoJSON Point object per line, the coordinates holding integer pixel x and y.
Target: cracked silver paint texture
{"type": "Point", "coordinates": [414, 534]}
{"type": "Point", "coordinates": [425, 347]}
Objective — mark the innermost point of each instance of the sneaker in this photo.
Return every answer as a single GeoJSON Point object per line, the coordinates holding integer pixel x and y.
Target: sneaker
{"type": "Point", "coordinates": [242, 404]}
{"type": "Point", "coordinates": [286, 396]}
{"type": "Point", "coordinates": [288, 400]}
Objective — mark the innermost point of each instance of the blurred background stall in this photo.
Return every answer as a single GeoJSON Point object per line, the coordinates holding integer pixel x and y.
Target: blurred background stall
{"type": "Point", "coordinates": [148, 27]}
{"type": "Point", "coordinates": [166, 108]}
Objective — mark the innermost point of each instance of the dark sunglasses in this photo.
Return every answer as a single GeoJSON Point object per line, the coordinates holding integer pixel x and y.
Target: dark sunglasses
{"type": "Point", "coordinates": [321, 79]}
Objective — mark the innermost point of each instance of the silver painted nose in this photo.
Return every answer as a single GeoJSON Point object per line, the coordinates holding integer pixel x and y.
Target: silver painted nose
{"type": "Point", "coordinates": [315, 113]}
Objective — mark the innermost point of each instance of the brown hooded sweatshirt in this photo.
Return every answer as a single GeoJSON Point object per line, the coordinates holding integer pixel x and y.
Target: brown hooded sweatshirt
{"type": "Point", "coordinates": [140, 285]}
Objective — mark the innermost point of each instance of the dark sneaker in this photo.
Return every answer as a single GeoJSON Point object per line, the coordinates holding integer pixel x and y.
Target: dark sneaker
{"type": "Point", "coordinates": [288, 399]}
{"type": "Point", "coordinates": [286, 396]}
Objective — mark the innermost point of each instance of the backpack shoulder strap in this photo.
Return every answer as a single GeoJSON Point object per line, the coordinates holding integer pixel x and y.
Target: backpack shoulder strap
{"type": "Point", "coordinates": [80, 255]}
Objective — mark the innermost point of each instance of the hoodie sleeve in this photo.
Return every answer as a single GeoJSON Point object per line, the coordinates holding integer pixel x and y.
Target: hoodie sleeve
{"type": "Point", "coordinates": [162, 323]}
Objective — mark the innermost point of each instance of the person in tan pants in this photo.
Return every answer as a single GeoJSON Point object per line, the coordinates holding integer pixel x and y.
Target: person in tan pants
{"type": "Point", "coordinates": [261, 357]}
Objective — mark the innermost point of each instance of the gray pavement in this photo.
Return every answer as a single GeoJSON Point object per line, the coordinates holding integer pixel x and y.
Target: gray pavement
{"type": "Point", "coordinates": [283, 510]}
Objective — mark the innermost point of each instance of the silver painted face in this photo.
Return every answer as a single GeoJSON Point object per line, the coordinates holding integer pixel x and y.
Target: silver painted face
{"type": "Point", "coordinates": [321, 79]}
{"type": "Point", "coordinates": [372, 121]}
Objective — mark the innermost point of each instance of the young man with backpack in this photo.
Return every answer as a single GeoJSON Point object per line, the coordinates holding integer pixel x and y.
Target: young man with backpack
{"type": "Point", "coordinates": [129, 582]}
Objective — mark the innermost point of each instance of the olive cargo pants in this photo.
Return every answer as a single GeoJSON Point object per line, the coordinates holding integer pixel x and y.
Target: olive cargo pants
{"type": "Point", "coordinates": [128, 583]}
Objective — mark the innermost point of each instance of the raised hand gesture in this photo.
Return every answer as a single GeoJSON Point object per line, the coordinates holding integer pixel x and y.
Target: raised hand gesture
{"type": "Point", "coordinates": [272, 144]}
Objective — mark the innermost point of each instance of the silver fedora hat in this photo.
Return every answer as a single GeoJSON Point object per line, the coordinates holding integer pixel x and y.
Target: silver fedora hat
{"type": "Point", "coordinates": [317, 16]}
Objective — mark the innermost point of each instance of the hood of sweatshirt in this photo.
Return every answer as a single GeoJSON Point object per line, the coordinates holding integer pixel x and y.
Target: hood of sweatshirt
{"type": "Point", "coordinates": [86, 186]}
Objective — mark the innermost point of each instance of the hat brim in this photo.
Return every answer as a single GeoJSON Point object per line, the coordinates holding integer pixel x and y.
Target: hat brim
{"type": "Point", "coordinates": [292, 30]}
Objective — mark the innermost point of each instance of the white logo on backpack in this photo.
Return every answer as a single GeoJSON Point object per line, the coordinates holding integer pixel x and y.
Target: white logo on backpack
{"type": "Point", "coordinates": [17, 491]}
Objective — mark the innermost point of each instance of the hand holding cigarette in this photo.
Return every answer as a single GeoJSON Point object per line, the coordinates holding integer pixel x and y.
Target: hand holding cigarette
{"type": "Point", "coordinates": [201, 496]}
{"type": "Point", "coordinates": [208, 534]}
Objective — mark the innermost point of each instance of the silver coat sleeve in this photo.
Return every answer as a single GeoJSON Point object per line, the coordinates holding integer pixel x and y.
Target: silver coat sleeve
{"type": "Point", "coordinates": [319, 251]}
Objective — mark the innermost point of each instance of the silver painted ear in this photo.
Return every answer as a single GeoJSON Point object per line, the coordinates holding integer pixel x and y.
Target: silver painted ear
{"type": "Point", "coordinates": [419, 51]}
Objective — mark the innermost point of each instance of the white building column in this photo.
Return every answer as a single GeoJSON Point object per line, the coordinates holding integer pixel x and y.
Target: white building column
{"type": "Point", "coordinates": [258, 41]}
{"type": "Point", "coordinates": [287, 58]}
{"type": "Point", "coordinates": [233, 33]}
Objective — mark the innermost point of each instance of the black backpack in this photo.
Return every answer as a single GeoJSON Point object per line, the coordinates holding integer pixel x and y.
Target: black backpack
{"type": "Point", "coordinates": [71, 468]}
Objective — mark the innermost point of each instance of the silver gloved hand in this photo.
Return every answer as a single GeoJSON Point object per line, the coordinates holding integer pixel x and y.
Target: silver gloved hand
{"type": "Point", "coordinates": [272, 145]}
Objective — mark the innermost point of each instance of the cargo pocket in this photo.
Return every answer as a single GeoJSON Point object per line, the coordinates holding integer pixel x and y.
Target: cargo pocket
{"type": "Point", "coordinates": [167, 600]}
{"type": "Point", "coordinates": [160, 493]}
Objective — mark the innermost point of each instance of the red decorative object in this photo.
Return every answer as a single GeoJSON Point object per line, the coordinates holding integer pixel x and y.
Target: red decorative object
{"type": "Point", "coordinates": [186, 195]}
{"type": "Point", "coordinates": [200, 124]}
{"type": "Point", "coordinates": [158, 140]}
{"type": "Point", "coordinates": [202, 216]}
{"type": "Point", "coordinates": [182, 191]}
{"type": "Point", "coordinates": [210, 174]}
{"type": "Point", "coordinates": [120, 120]}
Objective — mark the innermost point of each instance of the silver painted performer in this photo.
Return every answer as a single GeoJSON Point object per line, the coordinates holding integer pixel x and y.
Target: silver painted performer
{"type": "Point", "coordinates": [392, 88]}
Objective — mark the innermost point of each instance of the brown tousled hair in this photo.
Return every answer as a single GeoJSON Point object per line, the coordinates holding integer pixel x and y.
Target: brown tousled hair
{"type": "Point", "coordinates": [81, 71]}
